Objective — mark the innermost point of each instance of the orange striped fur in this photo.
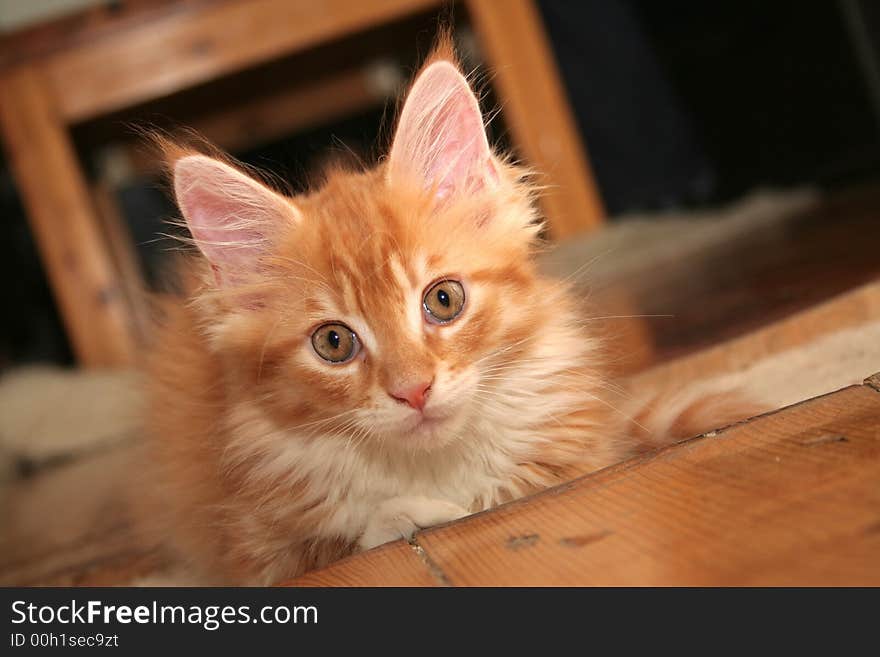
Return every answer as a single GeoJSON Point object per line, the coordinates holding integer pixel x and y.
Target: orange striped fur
{"type": "Point", "coordinates": [268, 460]}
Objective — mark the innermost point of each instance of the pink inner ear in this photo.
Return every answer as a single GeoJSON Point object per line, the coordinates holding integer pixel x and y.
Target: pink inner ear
{"type": "Point", "coordinates": [229, 215]}
{"type": "Point", "coordinates": [441, 137]}
{"type": "Point", "coordinates": [213, 221]}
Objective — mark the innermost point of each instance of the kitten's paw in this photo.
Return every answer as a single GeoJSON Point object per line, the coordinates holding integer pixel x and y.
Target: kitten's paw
{"type": "Point", "coordinates": [400, 517]}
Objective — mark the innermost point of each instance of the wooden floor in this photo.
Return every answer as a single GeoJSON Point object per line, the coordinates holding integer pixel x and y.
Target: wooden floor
{"type": "Point", "coordinates": [764, 275]}
{"type": "Point", "coordinates": [790, 497]}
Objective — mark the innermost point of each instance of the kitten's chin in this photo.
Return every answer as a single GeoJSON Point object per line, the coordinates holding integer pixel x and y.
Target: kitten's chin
{"type": "Point", "coordinates": [428, 433]}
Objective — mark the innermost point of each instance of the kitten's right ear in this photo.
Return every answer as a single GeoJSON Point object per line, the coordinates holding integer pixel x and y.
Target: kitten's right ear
{"type": "Point", "coordinates": [232, 217]}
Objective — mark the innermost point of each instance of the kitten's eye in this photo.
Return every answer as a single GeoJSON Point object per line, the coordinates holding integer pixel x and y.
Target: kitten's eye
{"type": "Point", "coordinates": [335, 343]}
{"type": "Point", "coordinates": [444, 301]}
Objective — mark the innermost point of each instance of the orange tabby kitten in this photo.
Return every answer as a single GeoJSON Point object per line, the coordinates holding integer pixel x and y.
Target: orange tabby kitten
{"type": "Point", "coordinates": [373, 357]}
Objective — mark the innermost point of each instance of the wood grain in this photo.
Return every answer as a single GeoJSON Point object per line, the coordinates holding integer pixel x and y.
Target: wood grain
{"type": "Point", "coordinates": [392, 564]}
{"type": "Point", "coordinates": [789, 498]}
{"type": "Point", "coordinates": [64, 222]}
{"type": "Point", "coordinates": [536, 109]}
{"type": "Point", "coordinates": [182, 49]}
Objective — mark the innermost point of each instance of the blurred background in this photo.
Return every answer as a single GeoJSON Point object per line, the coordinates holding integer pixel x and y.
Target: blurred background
{"type": "Point", "coordinates": [680, 105]}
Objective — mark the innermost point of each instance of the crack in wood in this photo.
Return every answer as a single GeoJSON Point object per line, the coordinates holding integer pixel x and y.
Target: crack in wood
{"type": "Point", "coordinates": [873, 381]}
{"type": "Point", "coordinates": [433, 567]}
{"type": "Point", "coordinates": [585, 539]}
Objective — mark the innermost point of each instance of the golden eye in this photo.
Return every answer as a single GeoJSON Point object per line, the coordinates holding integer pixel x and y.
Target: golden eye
{"type": "Point", "coordinates": [443, 301]}
{"type": "Point", "coordinates": [335, 343]}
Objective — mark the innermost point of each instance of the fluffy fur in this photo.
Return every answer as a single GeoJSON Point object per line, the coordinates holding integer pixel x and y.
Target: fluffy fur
{"type": "Point", "coordinates": [270, 461]}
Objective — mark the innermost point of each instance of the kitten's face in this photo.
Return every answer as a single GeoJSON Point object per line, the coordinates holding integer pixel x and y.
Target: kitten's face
{"type": "Point", "coordinates": [384, 308]}
{"type": "Point", "coordinates": [390, 317]}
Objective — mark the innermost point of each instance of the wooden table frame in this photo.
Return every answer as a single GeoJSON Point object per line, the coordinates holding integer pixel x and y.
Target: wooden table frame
{"type": "Point", "coordinates": [173, 46]}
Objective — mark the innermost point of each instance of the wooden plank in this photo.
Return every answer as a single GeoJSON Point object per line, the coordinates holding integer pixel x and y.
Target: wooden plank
{"type": "Point", "coordinates": [790, 498]}
{"type": "Point", "coordinates": [123, 254]}
{"type": "Point", "coordinates": [393, 564]}
{"type": "Point", "coordinates": [537, 112]}
{"type": "Point", "coordinates": [257, 121]}
{"type": "Point", "coordinates": [85, 24]}
{"type": "Point", "coordinates": [182, 49]}
{"type": "Point", "coordinates": [63, 221]}
{"type": "Point", "coordinates": [253, 121]}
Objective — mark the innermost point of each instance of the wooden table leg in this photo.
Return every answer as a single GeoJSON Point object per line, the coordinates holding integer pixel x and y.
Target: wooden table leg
{"type": "Point", "coordinates": [535, 107]}
{"type": "Point", "coordinates": [63, 221]}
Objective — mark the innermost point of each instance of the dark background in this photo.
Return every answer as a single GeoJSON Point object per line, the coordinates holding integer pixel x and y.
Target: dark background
{"type": "Point", "coordinates": [681, 103]}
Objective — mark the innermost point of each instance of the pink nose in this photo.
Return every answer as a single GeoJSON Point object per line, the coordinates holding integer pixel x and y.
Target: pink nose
{"type": "Point", "coordinates": [413, 395]}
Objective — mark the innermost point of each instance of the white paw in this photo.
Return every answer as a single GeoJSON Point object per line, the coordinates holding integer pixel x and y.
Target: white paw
{"type": "Point", "coordinates": [400, 517]}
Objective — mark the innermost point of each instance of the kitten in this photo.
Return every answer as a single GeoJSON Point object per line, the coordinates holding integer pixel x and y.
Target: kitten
{"type": "Point", "coordinates": [370, 358]}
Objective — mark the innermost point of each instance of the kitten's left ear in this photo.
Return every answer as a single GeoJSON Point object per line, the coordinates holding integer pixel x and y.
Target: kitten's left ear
{"type": "Point", "coordinates": [440, 139]}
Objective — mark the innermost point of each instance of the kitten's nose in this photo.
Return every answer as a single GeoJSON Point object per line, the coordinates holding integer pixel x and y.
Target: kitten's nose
{"type": "Point", "coordinates": [413, 395]}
